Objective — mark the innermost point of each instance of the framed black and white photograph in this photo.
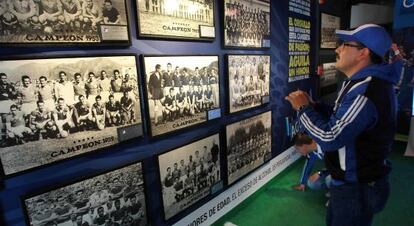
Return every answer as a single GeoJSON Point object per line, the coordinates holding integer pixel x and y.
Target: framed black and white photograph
{"type": "Point", "coordinates": [188, 173]}
{"type": "Point", "coordinates": [329, 75]}
{"type": "Point", "coordinates": [248, 79]}
{"type": "Point", "coordinates": [181, 91]}
{"type": "Point", "coordinates": [329, 24]}
{"type": "Point", "coordinates": [176, 19]}
{"type": "Point", "coordinates": [249, 144]}
{"type": "Point", "coordinates": [64, 22]}
{"type": "Point", "coordinates": [246, 23]}
{"type": "Point", "coordinates": [56, 108]}
{"type": "Point", "coordinates": [329, 81]}
{"type": "Point", "coordinates": [113, 198]}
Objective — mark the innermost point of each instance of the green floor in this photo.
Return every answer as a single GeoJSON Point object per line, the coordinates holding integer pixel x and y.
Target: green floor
{"type": "Point", "coordinates": [276, 204]}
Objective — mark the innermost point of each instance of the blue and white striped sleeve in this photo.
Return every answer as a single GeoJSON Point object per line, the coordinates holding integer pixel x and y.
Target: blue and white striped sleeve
{"type": "Point", "coordinates": [307, 168]}
{"type": "Point", "coordinates": [355, 114]}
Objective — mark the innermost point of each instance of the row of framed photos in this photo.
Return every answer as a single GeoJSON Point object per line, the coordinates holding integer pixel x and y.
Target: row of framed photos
{"type": "Point", "coordinates": [105, 22]}
{"type": "Point", "coordinates": [56, 108]}
{"type": "Point", "coordinates": [186, 175]}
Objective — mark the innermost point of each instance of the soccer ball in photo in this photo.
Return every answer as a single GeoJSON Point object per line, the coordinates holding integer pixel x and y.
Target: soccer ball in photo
{"type": "Point", "coordinates": [64, 133]}
{"type": "Point", "coordinates": [100, 124]}
{"type": "Point", "coordinates": [48, 29]}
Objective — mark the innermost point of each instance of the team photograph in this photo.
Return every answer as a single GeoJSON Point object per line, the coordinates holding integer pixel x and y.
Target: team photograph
{"type": "Point", "coordinates": [174, 18]}
{"type": "Point", "coordinates": [248, 80]}
{"type": "Point", "coordinates": [249, 145]}
{"type": "Point", "coordinates": [52, 109]}
{"type": "Point", "coordinates": [329, 75]}
{"type": "Point", "coordinates": [187, 173]}
{"type": "Point", "coordinates": [180, 90]}
{"type": "Point", "coordinates": [116, 198]}
{"type": "Point", "coordinates": [329, 24]}
{"type": "Point", "coordinates": [58, 21]}
{"type": "Point", "coordinates": [246, 23]}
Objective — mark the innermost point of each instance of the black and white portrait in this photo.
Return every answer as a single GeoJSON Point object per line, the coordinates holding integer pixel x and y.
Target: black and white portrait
{"type": "Point", "coordinates": [178, 19]}
{"type": "Point", "coordinates": [187, 174]}
{"type": "Point", "coordinates": [246, 23]}
{"type": "Point", "coordinates": [180, 90]}
{"type": "Point", "coordinates": [61, 21]}
{"type": "Point", "coordinates": [249, 144]}
{"type": "Point", "coordinates": [248, 80]}
{"type": "Point", "coordinates": [56, 108]}
{"type": "Point", "coordinates": [116, 198]}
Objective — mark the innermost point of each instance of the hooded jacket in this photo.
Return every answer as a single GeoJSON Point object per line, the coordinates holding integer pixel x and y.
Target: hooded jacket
{"type": "Point", "coordinates": [357, 135]}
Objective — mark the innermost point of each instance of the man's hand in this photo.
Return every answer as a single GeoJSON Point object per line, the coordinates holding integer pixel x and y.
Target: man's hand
{"type": "Point", "coordinates": [314, 177]}
{"type": "Point", "coordinates": [299, 187]}
{"type": "Point", "coordinates": [298, 99]}
{"type": "Point", "coordinates": [311, 101]}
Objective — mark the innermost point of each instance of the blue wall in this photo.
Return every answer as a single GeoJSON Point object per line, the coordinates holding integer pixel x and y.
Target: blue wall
{"type": "Point", "coordinates": [146, 148]}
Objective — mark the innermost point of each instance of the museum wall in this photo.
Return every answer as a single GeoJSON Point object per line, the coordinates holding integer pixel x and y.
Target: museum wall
{"type": "Point", "coordinates": [147, 148]}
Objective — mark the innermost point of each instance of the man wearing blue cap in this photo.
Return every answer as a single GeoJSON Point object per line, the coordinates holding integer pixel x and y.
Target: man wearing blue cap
{"type": "Point", "coordinates": [357, 135]}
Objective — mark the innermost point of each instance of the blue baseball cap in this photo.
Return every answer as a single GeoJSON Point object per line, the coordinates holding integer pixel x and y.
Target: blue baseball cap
{"type": "Point", "coordinates": [374, 37]}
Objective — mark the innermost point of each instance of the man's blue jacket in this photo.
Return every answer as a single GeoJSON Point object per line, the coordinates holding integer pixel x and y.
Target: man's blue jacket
{"type": "Point", "coordinates": [357, 134]}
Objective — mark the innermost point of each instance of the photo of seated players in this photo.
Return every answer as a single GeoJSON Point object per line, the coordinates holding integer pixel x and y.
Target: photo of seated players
{"type": "Point", "coordinates": [246, 23]}
{"type": "Point", "coordinates": [188, 172]}
{"type": "Point", "coordinates": [181, 89]}
{"type": "Point", "coordinates": [248, 80]}
{"type": "Point", "coordinates": [58, 20]}
{"type": "Point", "coordinates": [249, 145]}
{"type": "Point", "coordinates": [112, 199]}
{"type": "Point", "coordinates": [54, 103]}
{"type": "Point", "coordinates": [174, 18]}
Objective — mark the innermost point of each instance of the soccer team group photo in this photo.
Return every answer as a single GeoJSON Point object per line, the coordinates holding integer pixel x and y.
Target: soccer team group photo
{"type": "Point", "coordinates": [180, 90]}
{"type": "Point", "coordinates": [48, 105]}
{"type": "Point", "coordinates": [249, 145]}
{"type": "Point", "coordinates": [246, 23]}
{"type": "Point", "coordinates": [178, 19]}
{"type": "Point", "coordinates": [248, 77]}
{"type": "Point", "coordinates": [116, 198]}
{"type": "Point", "coordinates": [63, 21]}
{"type": "Point", "coordinates": [188, 172]}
